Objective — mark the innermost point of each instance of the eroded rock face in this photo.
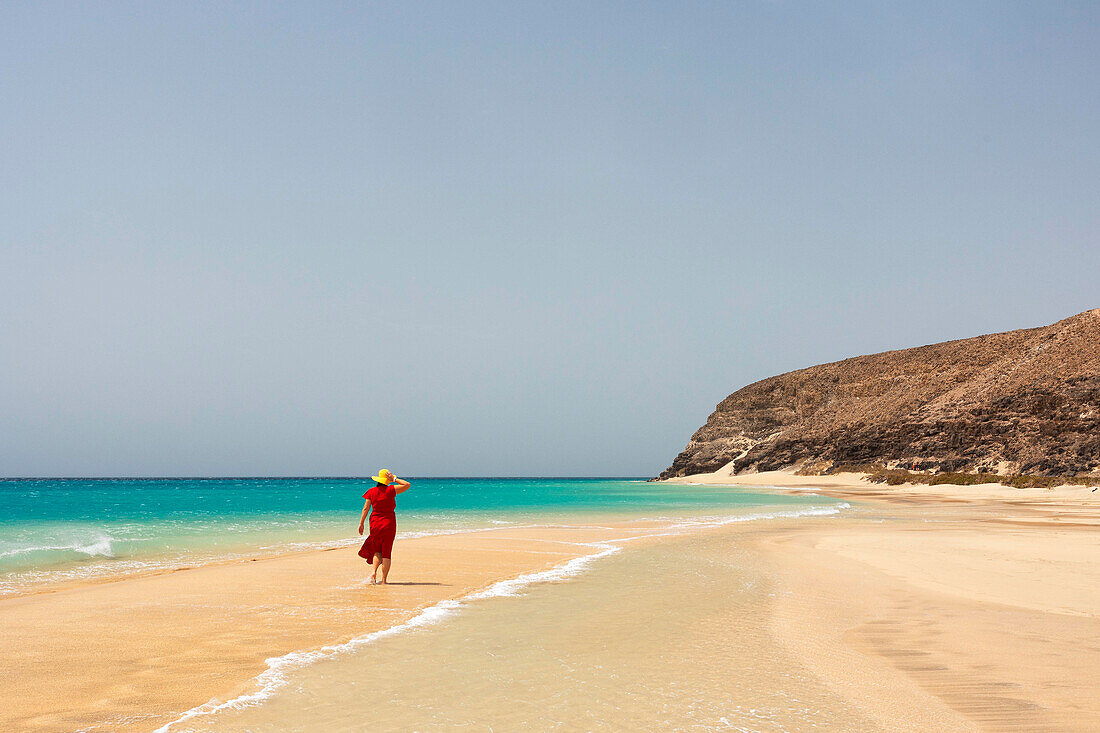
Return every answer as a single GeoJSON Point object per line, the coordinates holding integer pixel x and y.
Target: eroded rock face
{"type": "Point", "coordinates": [1025, 401]}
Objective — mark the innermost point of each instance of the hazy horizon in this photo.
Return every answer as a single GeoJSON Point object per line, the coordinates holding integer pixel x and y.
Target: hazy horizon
{"type": "Point", "coordinates": [510, 239]}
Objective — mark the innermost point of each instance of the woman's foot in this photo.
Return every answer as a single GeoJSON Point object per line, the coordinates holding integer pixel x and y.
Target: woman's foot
{"type": "Point", "coordinates": [372, 581]}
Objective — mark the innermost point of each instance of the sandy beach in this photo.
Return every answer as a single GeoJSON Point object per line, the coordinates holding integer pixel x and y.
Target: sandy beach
{"type": "Point", "coordinates": [136, 653]}
{"type": "Point", "coordinates": [958, 608]}
{"type": "Point", "coordinates": [982, 612]}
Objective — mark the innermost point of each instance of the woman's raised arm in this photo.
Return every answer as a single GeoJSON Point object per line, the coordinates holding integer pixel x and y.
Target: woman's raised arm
{"type": "Point", "coordinates": [402, 485]}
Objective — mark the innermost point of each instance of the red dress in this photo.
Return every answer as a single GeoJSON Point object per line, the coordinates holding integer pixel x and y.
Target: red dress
{"type": "Point", "coordinates": [383, 522]}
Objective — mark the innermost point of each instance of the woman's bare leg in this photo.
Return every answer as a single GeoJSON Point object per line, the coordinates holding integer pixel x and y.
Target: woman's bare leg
{"type": "Point", "coordinates": [385, 568]}
{"type": "Point", "coordinates": [377, 562]}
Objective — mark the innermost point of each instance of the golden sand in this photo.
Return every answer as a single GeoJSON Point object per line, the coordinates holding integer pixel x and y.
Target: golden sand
{"type": "Point", "coordinates": [135, 653]}
{"type": "Point", "coordinates": [984, 599]}
{"type": "Point", "coordinates": [998, 625]}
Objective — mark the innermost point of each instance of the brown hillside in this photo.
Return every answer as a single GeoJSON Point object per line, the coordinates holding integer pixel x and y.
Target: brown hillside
{"type": "Point", "coordinates": [1024, 401]}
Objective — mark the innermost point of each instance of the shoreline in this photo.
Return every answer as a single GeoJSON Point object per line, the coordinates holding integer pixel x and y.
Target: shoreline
{"type": "Point", "coordinates": [216, 625]}
{"type": "Point", "coordinates": [219, 625]}
{"type": "Point", "coordinates": [133, 639]}
{"type": "Point", "coordinates": [273, 678]}
{"type": "Point", "coordinates": [885, 605]}
{"type": "Point", "coordinates": [153, 565]}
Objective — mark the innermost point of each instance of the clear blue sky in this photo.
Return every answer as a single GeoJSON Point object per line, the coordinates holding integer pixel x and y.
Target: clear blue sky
{"type": "Point", "coordinates": [510, 238]}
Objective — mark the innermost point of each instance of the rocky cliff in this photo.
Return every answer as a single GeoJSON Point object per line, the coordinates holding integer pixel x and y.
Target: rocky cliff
{"type": "Point", "coordinates": [1024, 401]}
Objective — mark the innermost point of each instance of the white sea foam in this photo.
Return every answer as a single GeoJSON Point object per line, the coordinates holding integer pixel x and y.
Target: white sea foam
{"type": "Point", "coordinates": [94, 547]}
{"type": "Point", "coordinates": [100, 547]}
{"type": "Point", "coordinates": [278, 669]}
{"type": "Point", "coordinates": [438, 532]}
{"type": "Point", "coordinates": [576, 566]}
{"type": "Point", "coordinates": [33, 548]}
{"type": "Point", "coordinates": [813, 511]}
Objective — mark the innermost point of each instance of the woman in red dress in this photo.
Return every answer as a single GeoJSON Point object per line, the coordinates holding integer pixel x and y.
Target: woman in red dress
{"type": "Point", "coordinates": [383, 521]}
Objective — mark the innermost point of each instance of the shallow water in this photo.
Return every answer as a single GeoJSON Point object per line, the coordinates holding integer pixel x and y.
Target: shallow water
{"type": "Point", "coordinates": [55, 530]}
{"type": "Point", "coordinates": [671, 636]}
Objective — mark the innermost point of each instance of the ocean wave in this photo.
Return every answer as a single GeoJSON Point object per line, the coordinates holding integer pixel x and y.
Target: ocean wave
{"type": "Point", "coordinates": [278, 669]}
{"type": "Point", "coordinates": [95, 547]}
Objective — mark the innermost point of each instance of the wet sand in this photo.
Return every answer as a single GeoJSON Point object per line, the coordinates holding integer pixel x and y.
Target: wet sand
{"type": "Point", "coordinates": [136, 653]}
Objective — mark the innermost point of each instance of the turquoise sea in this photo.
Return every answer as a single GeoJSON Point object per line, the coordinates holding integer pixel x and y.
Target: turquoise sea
{"type": "Point", "coordinates": [54, 530]}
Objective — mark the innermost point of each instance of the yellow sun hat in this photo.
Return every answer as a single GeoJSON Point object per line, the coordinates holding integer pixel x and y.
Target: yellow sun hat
{"type": "Point", "coordinates": [384, 476]}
